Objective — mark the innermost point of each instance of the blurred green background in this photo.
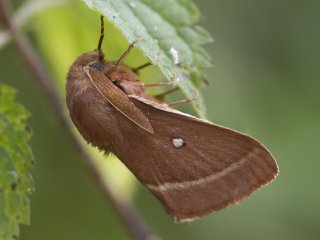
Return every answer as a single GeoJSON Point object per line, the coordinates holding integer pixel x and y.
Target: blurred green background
{"type": "Point", "coordinates": [265, 83]}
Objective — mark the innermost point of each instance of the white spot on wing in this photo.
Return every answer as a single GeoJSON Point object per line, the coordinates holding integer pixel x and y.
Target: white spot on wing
{"type": "Point", "coordinates": [177, 142]}
{"type": "Point", "coordinates": [174, 54]}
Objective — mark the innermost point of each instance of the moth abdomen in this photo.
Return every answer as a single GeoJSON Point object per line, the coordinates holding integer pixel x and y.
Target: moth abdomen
{"type": "Point", "coordinates": [95, 119]}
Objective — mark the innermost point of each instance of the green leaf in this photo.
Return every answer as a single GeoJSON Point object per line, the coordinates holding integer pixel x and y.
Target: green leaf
{"type": "Point", "coordinates": [15, 165]}
{"type": "Point", "coordinates": [164, 25]}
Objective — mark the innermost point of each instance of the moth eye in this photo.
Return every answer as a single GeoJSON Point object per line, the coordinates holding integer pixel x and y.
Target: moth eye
{"type": "Point", "coordinates": [96, 65]}
{"type": "Point", "coordinates": [178, 142]}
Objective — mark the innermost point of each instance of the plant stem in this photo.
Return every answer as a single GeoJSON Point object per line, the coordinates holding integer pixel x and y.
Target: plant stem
{"type": "Point", "coordinates": [125, 211]}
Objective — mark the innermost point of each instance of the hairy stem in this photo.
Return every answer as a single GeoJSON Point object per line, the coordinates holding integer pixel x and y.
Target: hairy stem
{"type": "Point", "coordinates": [125, 211]}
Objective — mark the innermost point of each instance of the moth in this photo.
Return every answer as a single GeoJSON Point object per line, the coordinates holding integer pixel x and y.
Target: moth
{"type": "Point", "coordinates": [192, 166]}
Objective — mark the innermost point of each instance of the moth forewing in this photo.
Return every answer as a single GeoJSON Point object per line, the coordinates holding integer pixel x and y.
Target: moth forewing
{"type": "Point", "coordinates": [192, 166]}
{"type": "Point", "coordinates": [117, 98]}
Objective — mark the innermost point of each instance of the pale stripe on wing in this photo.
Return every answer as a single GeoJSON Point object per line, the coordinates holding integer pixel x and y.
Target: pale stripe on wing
{"type": "Point", "coordinates": [210, 178]}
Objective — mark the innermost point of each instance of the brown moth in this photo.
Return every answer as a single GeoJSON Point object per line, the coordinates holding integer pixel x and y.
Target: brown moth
{"type": "Point", "coordinates": [194, 167]}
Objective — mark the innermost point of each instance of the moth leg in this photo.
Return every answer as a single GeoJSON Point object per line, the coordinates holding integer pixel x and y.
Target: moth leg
{"type": "Point", "coordinates": [170, 83]}
{"type": "Point", "coordinates": [135, 70]}
{"type": "Point", "coordinates": [161, 96]}
{"type": "Point", "coordinates": [195, 96]}
{"type": "Point", "coordinates": [159, 84]}
{"type": "Point", "coordinates": [123, 56]}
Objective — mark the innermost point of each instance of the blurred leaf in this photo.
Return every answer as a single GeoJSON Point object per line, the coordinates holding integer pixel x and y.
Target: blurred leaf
{"type": "Point", "coordinates": [171, 36]}
{"type": "Point", "coordinates": [15, 165]}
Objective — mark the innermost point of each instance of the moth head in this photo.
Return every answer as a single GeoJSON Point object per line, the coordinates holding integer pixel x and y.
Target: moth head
{"type": "Point", "coordinates": [94, 59]}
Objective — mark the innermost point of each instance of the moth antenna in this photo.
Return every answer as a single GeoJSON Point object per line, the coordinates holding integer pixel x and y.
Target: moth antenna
{"type": "Point", "coordinates": [101, 33]}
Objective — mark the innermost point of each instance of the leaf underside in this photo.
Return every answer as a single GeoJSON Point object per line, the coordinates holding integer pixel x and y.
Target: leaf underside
{"type": "Point", "coordinates": [15, 165]}
{"type": "Point", "coordinates": [164, 25]}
